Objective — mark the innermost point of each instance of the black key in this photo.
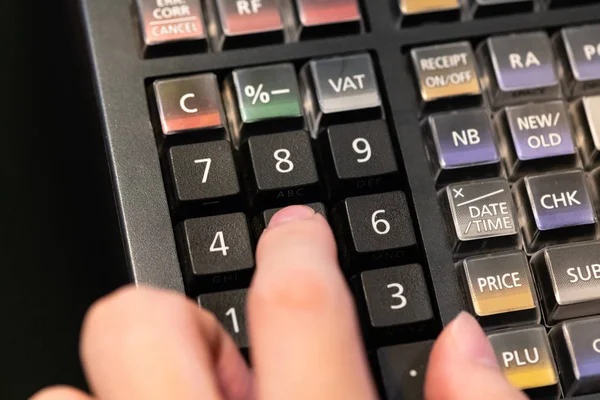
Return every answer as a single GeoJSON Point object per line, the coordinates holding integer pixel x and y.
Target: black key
{"type": "Point", "coordinates": [569, 279]}
{"type": "Point", "coordinates": [230, 309]}
{"type": "Point", "coordinates": [490, 8]}
{"type": "Point", "coordinates": [262, 221]}
{"type": "Point", "coordinates": [361, 158]}
{"type": "Point", "coordinates": [217, 252]}
{"type": "Point", "coordinates": [203, 174]}
{"type": "Point", "coordinates": [403, 369]}
{"type": "Point", "coordinates": [378, 229]}
{"type": "Point", "coordinates": [556, 207]}
{"type": "Point", "coordinates": [283, 168]}
{"type": "Point", "coordinates": [577, 344]}
{"type": "Point", "coordinates": [396, 297]}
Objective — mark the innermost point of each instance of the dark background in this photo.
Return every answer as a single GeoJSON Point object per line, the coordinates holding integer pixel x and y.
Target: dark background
{"type": "Point", "coordinates": [59, 243]}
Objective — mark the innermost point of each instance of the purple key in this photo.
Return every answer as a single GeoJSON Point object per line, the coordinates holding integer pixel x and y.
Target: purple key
{"type": "Point", "coordinates": [464, 145]}
{"type": "Point", "coordinates": [538, 131]}
{"type": "Point", "coordinates": [520, 68]}
{"type": "Point", "coordinates": [559, 207]}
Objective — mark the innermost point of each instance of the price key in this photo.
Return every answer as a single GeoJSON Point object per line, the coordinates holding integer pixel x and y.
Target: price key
{"type": "Point", "coordinates": [267, 98]}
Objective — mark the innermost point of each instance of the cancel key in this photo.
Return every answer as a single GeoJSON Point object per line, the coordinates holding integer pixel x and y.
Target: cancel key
{"type": "Point", "coordinates": [555, 207]}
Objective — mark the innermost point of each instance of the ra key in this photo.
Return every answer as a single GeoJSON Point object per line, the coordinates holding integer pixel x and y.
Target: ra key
{"type": "Point", "coordinates": [203, 174]}
{"type": "Point", "coordinates": [361, 158]}
{"type": "Point", "coordinates": [403, 369]}
{"type": "Point", "coordinates": [378, 228]}
{"type": "Point", "coordinates": [396, 298]}
{"type": "Point", "coordinates": [577, 344]}
{"type": "Point", "coordinates": [217, 251]}
{"type": "Point", "coordinates": [526, 359]}
{"type": "Point", "coordinates": [230, 310]}
{"type": "Point", "coordinates": [283, 168]}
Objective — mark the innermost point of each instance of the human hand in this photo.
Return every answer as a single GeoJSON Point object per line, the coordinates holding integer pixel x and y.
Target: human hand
{"type": "Point", "coordinates": [150, 344]}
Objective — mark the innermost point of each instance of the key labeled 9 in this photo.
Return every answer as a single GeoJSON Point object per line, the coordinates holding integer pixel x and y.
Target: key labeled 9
{"type": "Point", "coordinates": [361, 146]}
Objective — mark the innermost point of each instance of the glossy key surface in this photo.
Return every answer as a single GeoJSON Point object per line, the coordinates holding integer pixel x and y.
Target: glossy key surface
{"type": "Point", "coordinates": [569, 277]}
{"type": "Point", "coordinates": [340, 89]}
{"type": "Point", "coordinates": [189, 104]}
{"type": "Point", "coordinates": [525, 356]}
{"type": "Point", "coordinates": [446, 71]}
{"type": "Point", "coordinates": [501, 289]}
{"type": "Point", "coordinates": [520, 68]}
{"type": "Point", "coordinates": [326, 18]}
{"type": "Point", "coordinates": [577, 344]}
{"type": "Point", "coordinates": [463, 145]}
{"type": "Point", "coordinates": [556, 206]}
{"type": "Point", "coordinates": [249, 23]}
{"type": "Point", "coordinates": [581, 62]}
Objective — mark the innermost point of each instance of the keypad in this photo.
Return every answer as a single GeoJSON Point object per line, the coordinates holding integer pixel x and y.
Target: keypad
{"type": "Point", "coordinates": [511, 133]}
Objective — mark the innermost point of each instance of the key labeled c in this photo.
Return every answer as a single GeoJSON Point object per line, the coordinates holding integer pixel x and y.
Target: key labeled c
{"type": "Point", "coordinates": [184, 107]}
{"type": "Point", "coordinates": [596, 345]}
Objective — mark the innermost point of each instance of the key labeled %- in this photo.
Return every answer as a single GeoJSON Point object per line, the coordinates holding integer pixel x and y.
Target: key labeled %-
{"type": "Point", "coordinates": [446, 71]}
{"type": "Point", "coordinates": [569, 276]}
{"type": "Point", "coordinates": [526, 359]}
{"type": "Point", "coordinates": [534, 133]}
{"type": "Point", "coordinates": [175, 25]}
{"type": "Point", "coordinates": [482, 216]}
{"type": "Point", "coordinates": [267, 99]}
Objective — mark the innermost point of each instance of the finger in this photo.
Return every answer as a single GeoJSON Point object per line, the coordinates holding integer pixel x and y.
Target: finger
{"type": "Point", "coordinates": [304, 335]}
{"type": "Point", "coordinates": [60, 393]}
{"type": "Point", "coordinates": [151, 344]}
{"type": "Point", "coordinates": [463, 366]}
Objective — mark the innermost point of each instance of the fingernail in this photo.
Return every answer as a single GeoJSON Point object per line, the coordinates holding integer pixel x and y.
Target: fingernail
{"type": "Point", "coordinates": [289, 214]}
{"type": "Point", "coordinates": [472, 342]}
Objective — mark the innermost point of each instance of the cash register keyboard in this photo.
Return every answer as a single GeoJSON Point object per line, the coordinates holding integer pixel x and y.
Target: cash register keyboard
{"type": "Point", "coordinates": [454, 147]}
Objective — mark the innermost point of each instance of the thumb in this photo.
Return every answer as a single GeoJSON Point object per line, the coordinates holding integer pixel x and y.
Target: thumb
{"type": "Point", "coordinates": [463, 366]}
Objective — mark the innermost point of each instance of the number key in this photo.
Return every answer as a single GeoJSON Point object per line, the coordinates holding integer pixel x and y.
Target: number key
{"type": "Point", "coordinates": [362, 157]}
{"type": "Point", "coordinates": [230, 309]}
{"type": "Point", "coordinates": [380, 229]}
{"type": "Point", "coordinates": [203, 173]}
{"type": "Point", "coordinates": [396, 296]}
{"type": "Point", "coordinates": [217, 251]}
{"type": "Point", "coordinates": [283, 168]}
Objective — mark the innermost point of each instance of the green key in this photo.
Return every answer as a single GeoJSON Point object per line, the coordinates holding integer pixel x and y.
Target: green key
{"type": "Point", "coordinates": [268, 99]}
